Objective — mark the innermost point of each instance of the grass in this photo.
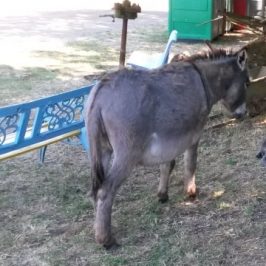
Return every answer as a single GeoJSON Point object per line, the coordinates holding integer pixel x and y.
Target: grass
{"type": "Point", "coordinates": [15, 82]}
{"type": "Point", "coordinates": [80, 53]}
{"type": "Point", "coordinates": [65, 69]}
{"type": "Point", "coordinates": [45, 210]}
{"type": "Point", "coordinates": [160, 36]}
{"type": "Point", "coordinates": [46, 217]}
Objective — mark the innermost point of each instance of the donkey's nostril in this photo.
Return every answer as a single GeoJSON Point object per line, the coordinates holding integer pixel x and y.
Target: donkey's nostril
{"type": "Point", "coordinates": [259, 155]}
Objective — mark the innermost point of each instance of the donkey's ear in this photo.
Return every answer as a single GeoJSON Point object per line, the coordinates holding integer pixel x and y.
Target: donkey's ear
{"type": "Point", "coordinates": [242, 58]}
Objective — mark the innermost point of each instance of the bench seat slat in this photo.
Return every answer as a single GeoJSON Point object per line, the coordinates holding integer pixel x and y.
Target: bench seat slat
{"type": "Point", "coordinates": [39, 145]}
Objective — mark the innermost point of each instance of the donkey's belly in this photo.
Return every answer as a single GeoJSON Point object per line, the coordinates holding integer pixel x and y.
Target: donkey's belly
{"type": "Point", "coordinates": [160, 150]}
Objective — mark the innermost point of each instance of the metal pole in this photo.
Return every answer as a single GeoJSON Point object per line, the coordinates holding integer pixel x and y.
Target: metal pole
{"type": "Point", "coordinates": [264, 16]}
{"type": "Point", "coordinates": [123, 44]}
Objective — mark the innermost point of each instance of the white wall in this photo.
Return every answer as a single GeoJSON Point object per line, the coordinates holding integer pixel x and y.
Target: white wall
{"type": "Point", "coordinates": [21, 7]}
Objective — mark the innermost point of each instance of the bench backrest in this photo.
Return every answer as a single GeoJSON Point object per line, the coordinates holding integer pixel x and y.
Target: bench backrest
{"type": "Point", "coordinates": [25, 124]}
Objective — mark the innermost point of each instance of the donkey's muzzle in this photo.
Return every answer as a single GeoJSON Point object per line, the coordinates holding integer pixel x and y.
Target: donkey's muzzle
{"type": "Point", "coordinates": [239, 116]}
{"type": "Point", "coordinates": [240, 112]}
{"type": "Point", "coordinates": [262, 157]}
{"type": "Point", "coordinates": [259, 155]}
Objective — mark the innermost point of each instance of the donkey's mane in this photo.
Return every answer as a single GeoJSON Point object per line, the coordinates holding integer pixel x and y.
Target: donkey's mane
{"type": "Point", "coordinates": [204, 55]}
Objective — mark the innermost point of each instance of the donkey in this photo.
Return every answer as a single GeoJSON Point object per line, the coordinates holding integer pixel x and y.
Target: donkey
{"type": "Point", "coordinates": [149, 117]}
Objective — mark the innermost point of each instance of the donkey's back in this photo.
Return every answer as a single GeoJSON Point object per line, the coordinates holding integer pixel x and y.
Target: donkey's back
{"type": "Point", "coordinates": [151, 116]}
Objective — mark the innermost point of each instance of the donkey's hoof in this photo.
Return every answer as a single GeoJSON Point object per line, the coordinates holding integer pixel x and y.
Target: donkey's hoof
{"type": "Point", "coordinates": [192, 195]}
{"type": "Point", "coordinates": [107, 241]}
{"type": "Point", "coordinates": [111, 245]}
{"type": "Point", "coordinates": [191, 191]}
{"type": "Point", "coordinates": [163, 197]}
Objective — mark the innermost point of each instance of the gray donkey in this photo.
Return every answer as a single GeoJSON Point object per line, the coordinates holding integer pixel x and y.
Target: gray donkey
{"type": "Point", "coordinates": [149, 117]}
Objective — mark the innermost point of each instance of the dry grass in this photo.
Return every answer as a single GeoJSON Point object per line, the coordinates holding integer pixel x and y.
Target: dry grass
{"type": "Point", "coordinates": [47, 219]}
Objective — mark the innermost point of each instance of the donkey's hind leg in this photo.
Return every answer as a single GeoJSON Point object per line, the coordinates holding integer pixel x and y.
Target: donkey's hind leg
{"type": "Point", "coordinates": [106, 162]}
{"type": "Point", "coordinates": [190, 161]}
{"type": "Point", "coordinates": [106, 159]}
{"type": "Point", "coordinates": [119, 170]}
{"type": "Point", "coordinates": [165, 172]}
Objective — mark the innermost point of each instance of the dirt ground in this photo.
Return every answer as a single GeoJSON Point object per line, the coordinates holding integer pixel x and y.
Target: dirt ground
{"type": "Point", "coordinates": [46, 217]}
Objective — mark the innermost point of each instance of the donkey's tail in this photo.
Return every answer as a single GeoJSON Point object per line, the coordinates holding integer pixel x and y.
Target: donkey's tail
{"type": "Point", "coordinates": [96, 133]}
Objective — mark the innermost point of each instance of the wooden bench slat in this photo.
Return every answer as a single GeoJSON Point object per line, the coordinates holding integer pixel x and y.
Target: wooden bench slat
{"type": "Point", "coordinates": [10, 138]}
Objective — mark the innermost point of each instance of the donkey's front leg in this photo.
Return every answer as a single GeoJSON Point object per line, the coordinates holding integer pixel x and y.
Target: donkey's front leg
{"type": "Point", "coordinates": [190, 161]}
{"type": "Point", "coordinates": [165, 172]}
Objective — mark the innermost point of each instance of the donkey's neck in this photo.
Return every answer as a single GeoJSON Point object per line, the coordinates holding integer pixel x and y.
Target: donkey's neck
{"type": "Point", "coordinates": [217, 76]}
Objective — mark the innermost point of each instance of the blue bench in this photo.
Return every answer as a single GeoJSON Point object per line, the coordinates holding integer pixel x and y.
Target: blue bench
{"type": "Point", "coordinates": [34, 125]}
{"type": "Point", "coordinates": [142, 60]}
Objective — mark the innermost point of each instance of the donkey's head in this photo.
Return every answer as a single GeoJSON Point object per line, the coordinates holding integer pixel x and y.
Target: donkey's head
{"type": "Point", "coordinates": [235, 95]}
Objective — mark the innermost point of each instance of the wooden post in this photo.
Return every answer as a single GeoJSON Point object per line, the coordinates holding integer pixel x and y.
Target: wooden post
{"type": "Point", "coordinates": [123, 43]}
{"type": "Point", "coordinates": [125, 11]}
